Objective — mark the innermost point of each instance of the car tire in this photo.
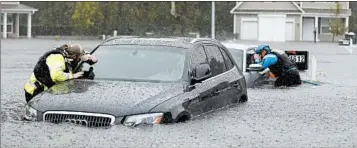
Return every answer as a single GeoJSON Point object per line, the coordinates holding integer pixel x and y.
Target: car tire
{"type": "Point", "coordinates": [243, 98]}
{"type": "Point", "coordinates": [182, 117]}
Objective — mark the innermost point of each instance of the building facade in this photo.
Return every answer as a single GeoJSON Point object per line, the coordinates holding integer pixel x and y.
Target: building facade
{"type": "Point", "coordinates": [286, 21]}
{"type": "Point", "coordinates": [10, 17]}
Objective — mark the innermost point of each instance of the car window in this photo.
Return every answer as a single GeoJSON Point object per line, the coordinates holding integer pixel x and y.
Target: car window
{"type": "Point", "coordinates": [215, 59]}
{"type": "Point", "coordinates": [139, 63]}
{"type": "Point", "coordinates": [198, 56]}
{"type": "Point", "coordinates": [237, 56]}
{"type": "Point", "coordinates": [227, 60]}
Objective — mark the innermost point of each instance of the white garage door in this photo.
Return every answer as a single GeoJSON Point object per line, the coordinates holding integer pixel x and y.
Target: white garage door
{"type": "Point", "coordinates": [290, 31]}
{"type": "Point", "coordinates": [249, 29]}
{"type": "Point", "coordinates": [308, 25]}
{"type": "Point", "coordinates": [272, 27]}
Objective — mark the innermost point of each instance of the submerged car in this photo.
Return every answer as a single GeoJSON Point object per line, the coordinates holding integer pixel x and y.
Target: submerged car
{"type": "Point", "coordinates": [243, 55]}
{"type": "Point", "coordinates": [145, 81]}
{"type": "Point", "coordinates": [351, 36]}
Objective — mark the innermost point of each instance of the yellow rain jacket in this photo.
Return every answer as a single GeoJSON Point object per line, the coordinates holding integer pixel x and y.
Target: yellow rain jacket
{"type": "Point", "coordinates": [56, 65]}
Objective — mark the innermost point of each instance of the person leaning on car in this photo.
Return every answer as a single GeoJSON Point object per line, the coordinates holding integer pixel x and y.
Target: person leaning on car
{"type": "Point", "coordinates": [278, 63]}
{"type": "Point", "coordinates": [56, 66]}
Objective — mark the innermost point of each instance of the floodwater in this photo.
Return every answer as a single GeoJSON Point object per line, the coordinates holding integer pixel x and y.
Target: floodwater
{"type": "Point", "coordinates": [305, 116]}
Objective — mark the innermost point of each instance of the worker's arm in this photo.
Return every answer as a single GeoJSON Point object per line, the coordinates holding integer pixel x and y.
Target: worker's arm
{"type": "Point", "coordinates": [74, 64]}
{"type": "Point", "coordinates": [266, 70]}
{"type": "Point", "coordinates": [56, 64]}
{"type": "Point", "coordinates": [269, 60]}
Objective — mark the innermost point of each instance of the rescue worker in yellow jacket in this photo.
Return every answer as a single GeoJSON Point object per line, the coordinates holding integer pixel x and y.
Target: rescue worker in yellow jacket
{"type": "Point", "coordinates": [56, 66]}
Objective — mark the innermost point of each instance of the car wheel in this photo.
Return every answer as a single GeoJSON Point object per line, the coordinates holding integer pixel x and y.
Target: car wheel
{"type": "Point", "coordinates": [182, 117]}
{"type": "Point", "coordinates": [243, 99]}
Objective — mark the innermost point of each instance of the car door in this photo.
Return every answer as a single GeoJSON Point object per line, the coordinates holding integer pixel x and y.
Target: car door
{"type": "Point", "coordinates": [233, 75]}
{"type": "Point", "coordinates": [252, 77]}
{"type": "Point", "coordinates": [219, 80]}
{"type": "Point", "coordinates": [200, 93]}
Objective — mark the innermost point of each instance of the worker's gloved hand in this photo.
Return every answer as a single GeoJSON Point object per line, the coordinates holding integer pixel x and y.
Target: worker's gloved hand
{"type": "Point", "coordinates": [84, 57]}
{"type": "Point", "coordinates": [257, 58]}
{"type": "Point", "coordinates": [90, 59]}
{"type": "Point", "coordinates": [93, 58]}
{"type": "Point", "coordinates": [78, 75]}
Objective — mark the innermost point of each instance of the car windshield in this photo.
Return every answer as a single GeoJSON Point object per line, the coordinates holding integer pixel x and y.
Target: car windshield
{"type": "Point", "coordinates": [139, 63]}
{"type": "Point", "coordinates": [237, 56]}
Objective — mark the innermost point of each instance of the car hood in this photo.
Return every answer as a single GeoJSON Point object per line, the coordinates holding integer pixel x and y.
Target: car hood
{"type": "Point", "coordinates": [116, 98]}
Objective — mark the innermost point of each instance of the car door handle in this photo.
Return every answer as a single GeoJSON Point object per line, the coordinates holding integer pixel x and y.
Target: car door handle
{"type": "Point", "coordinates": [236, 84]}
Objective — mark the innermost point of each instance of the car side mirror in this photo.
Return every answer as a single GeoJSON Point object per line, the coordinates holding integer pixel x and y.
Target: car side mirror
{"type": "Point", "coordinates": [201, 72]}
{"type": "Point", "coordinates": [255, 67]}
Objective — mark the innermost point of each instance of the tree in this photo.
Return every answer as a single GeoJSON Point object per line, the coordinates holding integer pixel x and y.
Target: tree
{"type": "Point", "coordinates": [53, 18]}
{"type": "Point", "coordinates": [109, 10]}
{"type": "Point", "coordinates": [130, 18]}
{"type": "Point", "coordinates": [353, 18]}
{"type": "Point", "coordinates": [224, 22]}
{"type": "Point", "coordinates": [144, 16]}
{"type": "Point", "coordinates": [189, 15]}
{"type": "Point", "coordinates": [337, 26]}
{"type": "Point", "coordinates": [86, 17]}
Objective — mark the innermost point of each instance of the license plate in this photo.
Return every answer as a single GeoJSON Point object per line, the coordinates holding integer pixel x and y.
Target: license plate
{"type": "Point", "coordinates": [298, 58]}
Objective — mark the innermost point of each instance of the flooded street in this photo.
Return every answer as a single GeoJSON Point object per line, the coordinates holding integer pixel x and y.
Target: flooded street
{"type": "Point", "coordinates": [306, 116]}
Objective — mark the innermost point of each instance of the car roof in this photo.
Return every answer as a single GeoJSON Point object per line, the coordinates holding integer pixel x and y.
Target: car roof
{"type": "Point", "coordinates": [238, 46]}
{"type": "Point", "coordinates": [183, 42]}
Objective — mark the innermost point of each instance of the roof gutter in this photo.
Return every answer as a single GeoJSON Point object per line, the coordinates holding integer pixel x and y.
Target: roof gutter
{"type": "Point", "coordinates": [19, 10]}
{"type": "Point", "coordinates": [298, 7]}
{"type": "Point", "coordinates": [267, 12]}
{"type": "Point", "coordinates": [236, 7]}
